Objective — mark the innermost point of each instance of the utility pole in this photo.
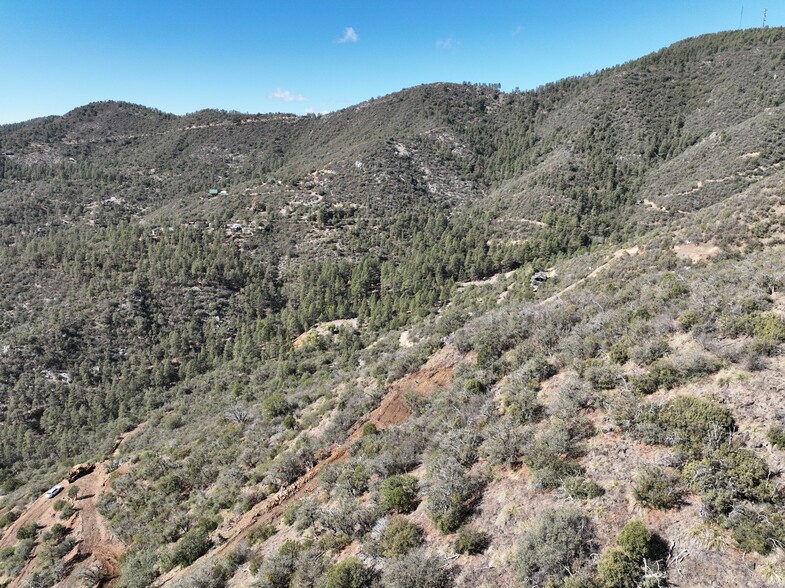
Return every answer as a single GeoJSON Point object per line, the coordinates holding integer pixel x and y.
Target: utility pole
{"type": "Point", "coordinates": [742, 15]}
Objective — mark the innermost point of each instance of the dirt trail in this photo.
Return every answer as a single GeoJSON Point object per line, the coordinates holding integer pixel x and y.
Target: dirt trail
{"type": "Point", "coordinates": [748, 175]}
{"type": "Point", "coordinates": [99, 549]}
{"type": "Point", "coordinates": [96, 547]}
{"type": "Point", "coordinates": [392, 410]}
{"type": "Point", "coordinates": [621, 252]}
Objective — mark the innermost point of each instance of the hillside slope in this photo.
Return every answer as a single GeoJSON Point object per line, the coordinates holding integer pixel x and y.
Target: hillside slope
{"type": "Point", "coordinates": [445, 403]}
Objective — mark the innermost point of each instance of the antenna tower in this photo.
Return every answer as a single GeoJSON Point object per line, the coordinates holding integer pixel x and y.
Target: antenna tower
{"type": "Point", "coordinates": [742, 15]}
{"type": "Point", "coordinates": [765, 14]}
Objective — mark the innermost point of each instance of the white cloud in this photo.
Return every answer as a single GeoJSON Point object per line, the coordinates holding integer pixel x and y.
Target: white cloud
{"type": "Point", "coordinates": [287, 96]}
{"type": "Point", "coordinates": [448, 43]}
{"type": "Point", "coordinates": [349, 36]}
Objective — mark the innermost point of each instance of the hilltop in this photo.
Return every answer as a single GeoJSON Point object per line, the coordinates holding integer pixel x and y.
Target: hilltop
{"type": "Point", "coordinates": [408, 337]}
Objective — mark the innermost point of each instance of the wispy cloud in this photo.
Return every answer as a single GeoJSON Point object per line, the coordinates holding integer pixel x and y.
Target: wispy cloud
{"type": "Point", "coordinates": [286, 96]}
{"type": "Point", "coordinates": [448, 43]}
{"type": "Point", "coordinates": [349, 36]}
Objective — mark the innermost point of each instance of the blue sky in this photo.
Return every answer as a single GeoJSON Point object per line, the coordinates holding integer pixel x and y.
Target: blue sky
{"type": "Point", "coordinates": [315, 56]}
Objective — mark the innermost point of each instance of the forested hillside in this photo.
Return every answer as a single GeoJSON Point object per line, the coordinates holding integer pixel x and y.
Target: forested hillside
{"type": "Point", "coordinates": [449, 336]}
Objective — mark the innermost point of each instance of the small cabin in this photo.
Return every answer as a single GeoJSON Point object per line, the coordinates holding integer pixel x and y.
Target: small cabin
{"type": "Point", "coordinates": [213, 191]}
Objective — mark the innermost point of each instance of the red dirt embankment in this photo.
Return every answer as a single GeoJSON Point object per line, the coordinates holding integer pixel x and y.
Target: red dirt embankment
{"type": "Point", "coordinates": [392, 410]}
{"type": "Point", "coordinates": [96, 548]}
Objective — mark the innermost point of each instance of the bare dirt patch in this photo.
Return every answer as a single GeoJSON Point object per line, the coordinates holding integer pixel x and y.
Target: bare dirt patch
{"type": "Point", "coordinates": [696, 251]}
{"type": "Point", "coordinates": [323, 329]}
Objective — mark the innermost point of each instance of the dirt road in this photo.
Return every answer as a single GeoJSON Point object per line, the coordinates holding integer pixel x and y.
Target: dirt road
{"type": "Point", "coordinates": [96, 549]}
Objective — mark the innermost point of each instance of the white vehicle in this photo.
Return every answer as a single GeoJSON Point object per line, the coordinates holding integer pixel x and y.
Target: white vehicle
{"type": "Point", "coordinates": [54, 491]}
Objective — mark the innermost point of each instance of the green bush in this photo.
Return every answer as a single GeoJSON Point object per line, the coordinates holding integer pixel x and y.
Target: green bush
{"type": "Point", "coordinates": [558, 543]}
{"type": "Point", "coordinates": [616, 569]}
{"type": "Point", "coordinates": [349, 573]}
{"type": "Point", "coordinates": [641, 313]}
{"type": "Point", "coordinates": [191, 546]}
{"type": "Point", "coordinates": [138, 568]}
{"type": "Point", "coordinates": [635, 539]}
{"type": "Point", "coordinates": [582, 488]}
{"type": "Point", "coordinates": [504, 442]}
{"type": "Point", "coordinates": [688, 319]}
{"type": "Point", "coordinates": [353, 477]}
{"type": "Point", "coordinates": [776, 436]}
{"type": "Point", "coordinates": [10, 484]}
{"type": "Point", "coordinates": [602, 376]}
{"type": "Point", "coordinates": [335, 542]}
{"type": "Point", "coordinates": [57, 533]}
{"type": "Point", "coordinates": [290, 513]}
{"type": "Point", "coordinates": [691, 421]}
{"type": "Point", "coordinates": [27, 532]}
{"type": "Point", "coordinates": [655, 488]}
{"type": "Point", "coordinates": [399, 493]}
{"type": "Point", "coordinates": [729, 473]}
{"type": "Point", "coordinates": [521, 406]}
{"type": "Point", "coordinates": [668, 373]}
{"type": "Point", "coordinates": [308, 512]}
{"type": "Point", "coordinates": [416, 570]}
{"type": "Point", "coordinates": [448, 491]}
{"type": "Point", "coordinates": [474, 386]}
{"type": "Point", "coordinates": [757, 531]}
{"type": "Point", "coordinates": [619, 353]}
{"type": "Point", "coordinates": [67, 511]}
{"type": "Point", "coordinates": [8, 518]}
{"type": "Point", "coordinates": [399, 537]}
{"type": "Point", "coordinates": [651, 351]}
{"type": "Point", "coordinates": [276, 571]}
{"type": "Point", "coordinates": [173, 421]}
{"type": "Point", "coordinates": [550, 468]}
{"type": "Point", "coordinates": [369, 429]}
{"type": "Point", "coordinates": [275, 405]}
{"type": "Point", "coordinates": [538, 369]}
{"type": "Point", "coordinates": [471, 541]}
{"type": "Point", "coordinates": [450, 521]}
{"type": "Point", "coordinates": [261, 534]}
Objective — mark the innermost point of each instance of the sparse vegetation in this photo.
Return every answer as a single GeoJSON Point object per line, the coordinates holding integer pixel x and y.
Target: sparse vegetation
{"type": "Point", "coordinates": [348, 340]}
{"type": "Point", "coordinates": [557, 544]}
